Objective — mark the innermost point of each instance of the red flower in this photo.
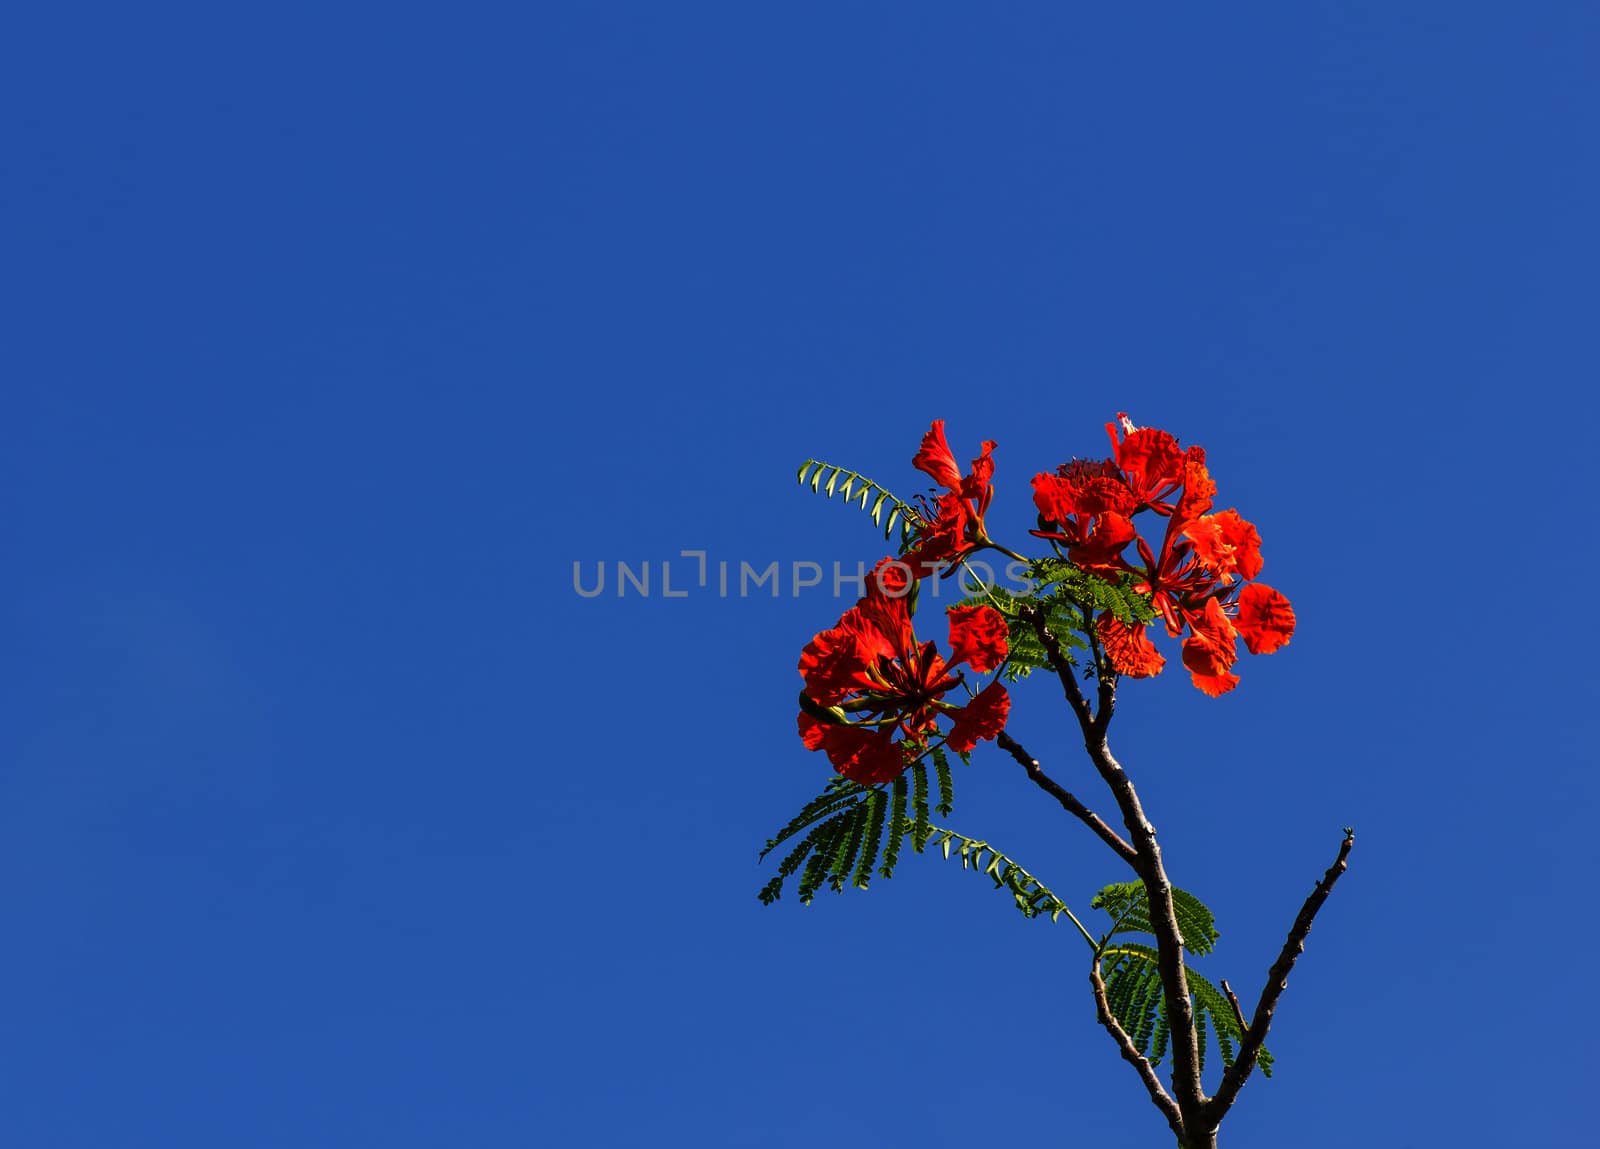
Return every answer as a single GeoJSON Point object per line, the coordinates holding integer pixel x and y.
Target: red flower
{"type": "Point", "coordinates": [1195, 580]}
{"type": "Point", "coordinates": [1128, 647]}
{"type": "Point", "coordinates": [1266, 620]}
{"type": "Point", "coordinates": [981, 719]}
{"type": "Point", "coordinates": [951, 526]}
{"type": "Point", "coordinates": [1209, 651]}
{"type": "Point", "coordinates": [977, 637]}
{"type": "Point", "coordinates": [863, 755]}
{"type": "Point", "coordinates": [1198, 487]}
{"type": "Point", "coordinates": [1089, 506]}
{"type": "Point", "coordinates": [935, 457]}
{"type": "Point", "coordinates": [840, 661]}
{"type": "Point", "coordinates": [1226, 544]}
{"type": "Point", "coordinates": [874, 696]}
{"type": "Point", "coordinates": [1151, 462]}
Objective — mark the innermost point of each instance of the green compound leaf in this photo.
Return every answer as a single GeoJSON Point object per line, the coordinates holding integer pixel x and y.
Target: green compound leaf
{"type": "Point", "coordinates": [897, 817]}
{"type": "Point", "coordinates": [848, 829]}
{"type": "Point", "coordinates": [839, 793]}
{"type": "Point", "coordinates": [1030, 896]}
{"type": "Point", "coordinates": [919, 807]}
{"type": "Point", "coordinates": [1129, 908]}
{"type": "Point", "coordinates": [878, 808]}
{"type": "Point", "coordinates": [845, 832]}
{"type": "Point", "coordinates": [828, 480]}
{"type": "Point", "coordinates": [947, 797]}
{"type": "Point", "coordinates": [1133, 978]}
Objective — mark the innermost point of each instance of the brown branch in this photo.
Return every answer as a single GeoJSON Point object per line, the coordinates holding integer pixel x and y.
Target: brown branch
{"type": "Point", "coordinates": [1107, 677]}
{"type": "Point", "coordinates": [1277, 981]}
{"type": "Point", "coordinates": [1238, 1013]}
{"type": "Point", "coordinates": [1060, 663]}
{"type": "Point", "coordinates": [1158, 888]}
{"type": "Point", "coordinates": [1164, 924]}
{"type": "Point", "coordinates": [1068, 800]}
{"type": "Point", "coordinates": [1130, 1053]}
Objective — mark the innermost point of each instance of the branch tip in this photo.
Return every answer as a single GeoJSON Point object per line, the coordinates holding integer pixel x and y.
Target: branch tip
{"type": "Point", "coordinates": [1294, 945]}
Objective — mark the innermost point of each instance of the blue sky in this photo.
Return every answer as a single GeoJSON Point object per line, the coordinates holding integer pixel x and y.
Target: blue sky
{"type": "Point", "coordinates": [334, 335]}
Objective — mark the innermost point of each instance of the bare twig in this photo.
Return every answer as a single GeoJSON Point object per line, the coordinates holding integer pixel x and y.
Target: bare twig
{"type": "Point", "coordinates": [1068, 800]}
{"type": "Point", "coordinates": [1238, 1013]}
{"type": "Point", "coordinates": [1277, 981]}
{"type": "Point", "coordinates": [1130, 1053]}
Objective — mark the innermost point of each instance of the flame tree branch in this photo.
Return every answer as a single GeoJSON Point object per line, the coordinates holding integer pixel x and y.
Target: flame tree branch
{"type": "Point", "coordinates": [1277, 981]}
{"type": "Point", "coordinates": [1130, 1053]}
{"type": "Point", "coordinates": [1186, 1085]}
{"type": "Point", "coordinates": [1068, 800]}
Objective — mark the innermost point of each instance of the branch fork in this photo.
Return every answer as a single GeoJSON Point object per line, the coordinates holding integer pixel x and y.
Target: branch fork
{"type": "Point", "coordinates": [1192, 1114]}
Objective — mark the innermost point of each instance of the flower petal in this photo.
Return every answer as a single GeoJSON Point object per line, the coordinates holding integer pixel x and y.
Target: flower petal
{"type": "Point", "coordinates": [864, 756]}
{"type": "Point", "coordinates": [838, 659]}
{"type": "Point", "coordinates": [1226, 543]}
{"type": "Point", "coordinates": [1215, 685]}
{"type": "Point", "coordinates": [1111, 535]}
{"type": "Point", "coordinates": [1266, 620]}
{"type": "Point", "coordinates": [981, 719]}
{"type": "Point", "coordinates": [942, 538]}
{"type": "Point", "coordinates": [977, 637]}
{"type": "Point", "coordinates": [1153, 463]}
{"type": "Point", "coordinates": [812, 732]}
{"type": "Point", "coordinates": [976, 485]}
{"type": "Point", "coordinates": [1198, 487]}
{"type": "Point", "coordinates": [1128, 647]}
{"type": "Point", "coordinates": [935, 458]}
{"type": "Point", "coordinates": [1210, 649]}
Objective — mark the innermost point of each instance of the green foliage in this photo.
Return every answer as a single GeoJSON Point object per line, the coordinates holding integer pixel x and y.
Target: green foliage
{"type": "Point", "coordinates": [1133, 978]}
{"type": "Point", "coordinates": [1069, 598]}
{"type": "Point", "coordinates": [1129, 908]}
{"type": "Point", "coordinates": [845, 831]}
{"type": "Point", "coordinates": [1062, 579]}
{"type": "Point", "coordinates": [1031, 896]}
{"type": "Point", "coordinates": [839, 794]}
{"type": "Point", "coordinates": [897, 817]}
{"type": "Point", "coordinates": [1026, 653]}
{"type": "Point", "coordinates": [827, 479]}
{"type": "Point", "coordinates": [878, 804]}
{"type": "Point", "coordinates": [947, 796]}
{"type": "Point", "coordinates": [919, 807]}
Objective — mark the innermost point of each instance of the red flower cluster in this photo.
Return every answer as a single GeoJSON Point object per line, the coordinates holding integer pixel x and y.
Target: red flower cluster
{"type": "Point", "coordinates": [869, 682]}
{"type": "Point", "coordinates": [1196, 580]}
{"type": "Point", "coordinates": [951, 525]}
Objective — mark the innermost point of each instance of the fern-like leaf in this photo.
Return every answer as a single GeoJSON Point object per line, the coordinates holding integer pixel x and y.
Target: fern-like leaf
{"type": "Point", "coordinates": [844, 855]}
{"type": "Point", "coordinates": [897, 818]}
{"type": "Point", "coordinates": [840, 793]}
{"type": "Point", "coordinates": [792, 862]}
{"type": "Point", "coordinates": [877, 501]}
{"type": "Point", "coordinates": [822, 850]}
{"type": "Point", "coordinates": [1030, 896]}
{"type": "Point", "coordinates": [872, 820]}
{"type": "Point", "coordinates": [1133, 979]}
{"type": "Point", "coordinates": [1129, 907]}
{"type": "Point", "coordinates": [947, 794]}
{"type": "Point", "coordinates": [919, 807]}
{"type": "Point", "coordinates": [845, 831]}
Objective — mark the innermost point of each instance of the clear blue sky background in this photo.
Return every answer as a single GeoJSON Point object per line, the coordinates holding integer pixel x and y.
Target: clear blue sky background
{"type": "Point", "coordinates": [335, 334]}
